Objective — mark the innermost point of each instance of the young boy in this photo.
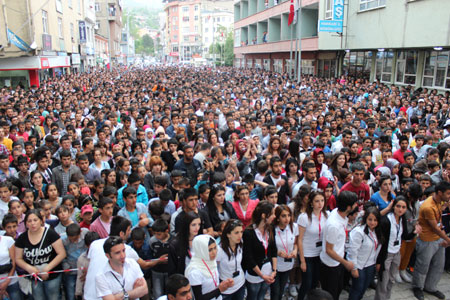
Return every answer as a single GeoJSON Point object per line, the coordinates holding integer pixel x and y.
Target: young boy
{"type": "Point", "coordinates": [137, 213]}
{"type": "Point", "coordinates": [63, 214]}
{"type": "Point", "coordinates": [166, 199]}
{"type": "Point", "coordinates": [5, 197]}
{"type": "Point", "coordinates": [9, 224]}
{"type": "Point", "coordinates": [83, 263]}
{"type": "Point", "coordinates": [159, 247]}
{"type": "Point", "coordinates": [203, 192]}
{"type": "Point", "coordinates": [73, 241]}
{"type": "Point", "coordinates": [86, 214]}
{"type": "Point", "coordinates": [102, 224]}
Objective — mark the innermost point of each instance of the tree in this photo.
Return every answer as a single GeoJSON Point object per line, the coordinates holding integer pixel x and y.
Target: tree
{"type": "Point", "coordinates": [147, 45]}
{"type": "Point", "coordinates": [224, 46]}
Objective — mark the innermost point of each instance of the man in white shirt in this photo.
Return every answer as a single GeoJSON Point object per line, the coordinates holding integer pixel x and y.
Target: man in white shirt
{"type": "Point", "coordinates": [334, 237]}
{"type": "Point", "coordinates": [121, 277]}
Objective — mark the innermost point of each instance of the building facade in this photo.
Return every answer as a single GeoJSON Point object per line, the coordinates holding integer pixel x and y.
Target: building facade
{"type": "Point", "coordinates": [216, 24]}
{"type": "Point", "coordinates": [109, 25]}
{"type": "Point", "coordinates": [87, 36]}
{"type": "Point", "coordinates": [39, 40]}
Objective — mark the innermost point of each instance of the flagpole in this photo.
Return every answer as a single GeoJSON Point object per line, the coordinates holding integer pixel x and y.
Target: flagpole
{"type": "Point", "coordinates": [290, 54]}
{"type": "Point", "coordinates": [300, 43]}
{"type": "Point", "coordinates": [295, 59]}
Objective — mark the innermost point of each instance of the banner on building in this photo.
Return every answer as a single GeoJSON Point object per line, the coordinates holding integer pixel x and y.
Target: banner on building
{"type": "Point", "coordinates": [17, 41]}
{"type": "Point", "coordinates": [336, 24]}
{"type": "Point", "coordinates": [82, 28]}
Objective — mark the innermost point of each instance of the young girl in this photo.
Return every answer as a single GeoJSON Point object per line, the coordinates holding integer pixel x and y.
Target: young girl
{"type": "Point", "coordinates": [392, 226]}
{"type": "Point", "coordinates": [202, 270]}
{"type": "Point", "coordinates": [365, 245]}
{"type": "Point", "coordinates": [99, 164]}
{"type": "Point", "coordinates": [74, 190]}
{"type": "Point", "coordinates": [17, 210]}
{"type": "Point", "coordinates": [286, 236]}
{"type": "Point", "coordinates": [53, 196]}
{"type": "Point", "coordinates": [229, 260]}
{"type": "Point", "coordinates": [37, 185]}
{"type": "Point", "coordinates": [99, 185]}
{"type": "Point", "coordinates": [311, 224]}
{"type": "Point", "coordinates": [28, 200]}
{"type": "Point", "coordinates": [109, 176]}
{"type": "Point", "coordinates": [218, 209]}
{"type": "Point", "coordinates": [260, 252]}
{"type": "Point", "coordinates": [384, 197]}
{"type": "Point", "coordinates": [69, 202]}
{"type": "Point", "coordinates": [63, 214]}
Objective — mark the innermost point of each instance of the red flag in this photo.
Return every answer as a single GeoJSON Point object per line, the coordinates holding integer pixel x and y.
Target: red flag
{"type": "Point", "coordinates": [291, 13]}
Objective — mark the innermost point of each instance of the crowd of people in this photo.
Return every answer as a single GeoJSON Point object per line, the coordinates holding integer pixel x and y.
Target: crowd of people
{"type": "Point", "coordinates": [181, 183]}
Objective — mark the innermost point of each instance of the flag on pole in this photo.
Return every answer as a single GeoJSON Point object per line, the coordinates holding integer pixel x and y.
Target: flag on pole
{"type": "Point", "coordinates": [293, 8]}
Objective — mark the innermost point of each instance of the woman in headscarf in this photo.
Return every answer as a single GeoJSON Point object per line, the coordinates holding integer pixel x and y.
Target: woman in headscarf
{"type": "Point", "coordinates": [322, 168]}
{"type": "Point", "coordinates": [202, 270]}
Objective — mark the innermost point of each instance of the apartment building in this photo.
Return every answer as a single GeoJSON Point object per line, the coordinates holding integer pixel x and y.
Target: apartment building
{"type": "Point", "coordinates": [87, 35]}
{"type": "Point", "coordinates": [216, 24]}
{"type": "Point", "coordinates": [39, 40]}
{"type": "Point", "coordinates": [109, 26]}
{"type": "Point", "coordinates": [262, 36]}
{"type": "Point", "coordinates": [402, 42]}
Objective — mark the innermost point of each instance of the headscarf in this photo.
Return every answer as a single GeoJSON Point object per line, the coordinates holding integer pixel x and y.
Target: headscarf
{"type": "Point", "coordinates": [316, 153]}
{"type": "Point", "coordinates": [148, 140]}
{"type": "Point", "coordinates": [239, 155]}
{"type": "Point", "coordinates": [200, 259]}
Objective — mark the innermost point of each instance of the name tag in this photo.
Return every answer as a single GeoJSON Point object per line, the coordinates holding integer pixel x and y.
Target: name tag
{"type": "Point", "coordinates": [396, 243]}
{"type": "Point", "coordinates": [236, 274]}
{"type": "Point", "coordinates": [288, 260]}
{"type": "Point", "coordinates": [319, 244]}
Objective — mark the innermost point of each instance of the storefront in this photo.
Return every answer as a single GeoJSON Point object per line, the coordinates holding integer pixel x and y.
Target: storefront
{"type": "Point", "coordinates": [28, 71]}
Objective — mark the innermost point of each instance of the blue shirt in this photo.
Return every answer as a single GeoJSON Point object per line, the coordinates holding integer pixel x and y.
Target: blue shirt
{"type": "Point", "coordinates": [134, 216]}
{"type": "Point", "coordinates": [381, 204]}
{"type": "Point", "coordinates": [142, 196]}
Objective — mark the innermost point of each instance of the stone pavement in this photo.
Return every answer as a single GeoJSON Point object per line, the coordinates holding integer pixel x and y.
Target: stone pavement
{"type": "Point", "coordinates": [403, 291]}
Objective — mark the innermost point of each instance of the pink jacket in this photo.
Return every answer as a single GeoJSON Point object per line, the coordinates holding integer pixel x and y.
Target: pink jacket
{"type": "Point", "coordinates": [247, 220]}
{"type": "Point", "coordinates": [98, 227]}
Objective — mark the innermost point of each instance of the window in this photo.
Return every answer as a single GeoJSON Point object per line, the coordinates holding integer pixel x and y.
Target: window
{"type": "Point", "coordinates": [186, 39]}
{"type": "Point", "coordinates": [206, 40]}
{"type": "Point", "coordinates": [175, 48]}
{"type": "Point", "coordinates": [266, 63]}
{"type": "Point", "coordinates": [196, 8]}
{"type": "Point", "coordinates": [44, 21]}
{"type": "Point", "coordinates": [436, 72]}
{"type": "Point", "coordinates": [174, 19]}
{"type": "Point", "coordinates": [72, 32]}
{"type": "Point", "coordinates": [406, 67]}
{"type": "Point", "coordinates": [97, 24]}
{"type": "Point", "coordinates": [206, 30]}
{"type": "Point", "coordinates": [186, 29]}
{"type": "Point", "coordinates": [185, 19]}
{"type": "Point", "coordinates": [328, 9]}
{"type": "Point", "coordinates": [185, 8]}
{"type": "Point", "coordinates": [59, 6]}
{"type": "Point", "coordinates": [196, 28]}
{"type": "Point", "coordinates": [60, 28]}
{"type": "Point", "coordinates": [97, 7]}
{"type": "Point", "coordinates": [369, 4]}
{"type": "Point", "coordinates": [383, 66]}
{"type": "Point", "coordinates": [174, 9]}
{"type": "Point", "coordinates": [69, 3]}
{"type": "Point", "coordinates": [175, 27]}
{"type": "Point", "coordinates": [355, 64]}
{"type": "Point", "coordinates": [196, 18]}
{"type": "Point", "coordinates": [175, 37]}
{"type": "Point", "coordinates": [196, 38]}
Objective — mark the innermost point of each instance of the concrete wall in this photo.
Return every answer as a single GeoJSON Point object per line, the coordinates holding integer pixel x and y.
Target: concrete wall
{"type": "Point", "coordinates": [399, 24]}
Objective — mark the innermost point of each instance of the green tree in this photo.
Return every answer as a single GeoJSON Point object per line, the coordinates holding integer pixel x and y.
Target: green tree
{"type": "Point", "coordinates": [147, 45]}
{"type": "Point", "coordinates": [224, 46]}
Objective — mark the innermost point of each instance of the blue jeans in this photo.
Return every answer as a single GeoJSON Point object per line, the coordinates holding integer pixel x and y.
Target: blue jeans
{"type": "Point", "coordinates": [238, 295]}
{"type": "Point", "coordinates": [70, 281]}
{"type": "Point", "coordinates": [360, 284]}
{"type": "Point", "coordinates": [47, 290]}
{"type": "Point", "coordinates": [14, 292]}
{"type": "Point", "coordinates": [310, 278]}
{"type": "Point", "coordinates": [159, 284]}
{"type": "Point", "coordinates": [277, 288]}
{"type": "Point", "coordinates": [256, 291]}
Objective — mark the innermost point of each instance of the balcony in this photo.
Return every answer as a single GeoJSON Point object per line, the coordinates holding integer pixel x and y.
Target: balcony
{"type": "Point", "coordinates": [308, 44]}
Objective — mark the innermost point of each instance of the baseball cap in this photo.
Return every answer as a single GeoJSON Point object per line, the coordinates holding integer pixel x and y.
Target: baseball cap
{"type": "Point", "coordinates": [86, 208]}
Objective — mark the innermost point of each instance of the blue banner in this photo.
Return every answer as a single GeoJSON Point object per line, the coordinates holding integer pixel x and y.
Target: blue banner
{"type": "Point", "coordinates": [338, 13]}
{"type": "Point", "coordinates": [82, 29]}
{"type": "Point", "coordinates": [17, 41]}
{"type": "Point", "coordinates": [330, 26]}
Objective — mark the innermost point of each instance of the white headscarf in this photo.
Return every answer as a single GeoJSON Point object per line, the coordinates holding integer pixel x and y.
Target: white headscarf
{"type": "Point", "coordinates": [200, 259]}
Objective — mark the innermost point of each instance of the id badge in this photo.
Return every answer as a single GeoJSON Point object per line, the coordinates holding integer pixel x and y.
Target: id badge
{"type": "Point", "coordinates": [319, 244]}
{"type": "Point", "coordinates": [396, 243]}
{"type": "Point", "coordinates": [236, 274]}
{"type": "Point", "coordinates": [288, 260]}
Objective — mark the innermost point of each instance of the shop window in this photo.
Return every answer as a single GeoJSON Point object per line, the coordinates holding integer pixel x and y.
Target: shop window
{"type": "Point", "coordinates": [406, 67]}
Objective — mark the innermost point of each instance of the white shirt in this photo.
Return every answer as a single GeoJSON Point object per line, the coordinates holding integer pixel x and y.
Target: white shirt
{"type": "Point", "coordinates": [285, 241]}
{"type": "Point", "coordinates": [297, 187]}
{"type": "Point", "coordinates": [395, 236]}
{"type": "Point", "coordinates": [311, 237]}
{"type": "Point", "coordinates": [98, 260]}
{"type": "Point", "coordinates": [363, 248]}
{"type": "Point", "coordinates": [4, 209]}
{"type": "Point", "coordinates": [6, 242]}
{"type": "Point", "coordinates": [227, 266]}
{"type": "Point", "coordinates": [334, 233]}
{"type": "Point", "coordinates": [172, 219]}
{"type": "Point", "coordinates": [196, 277]}
{"type": "Point", "coordinates": [109, 282]}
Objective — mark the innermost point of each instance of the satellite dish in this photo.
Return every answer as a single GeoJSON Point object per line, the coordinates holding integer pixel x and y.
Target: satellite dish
{"type": "Point", "coordinates": [33, 45]}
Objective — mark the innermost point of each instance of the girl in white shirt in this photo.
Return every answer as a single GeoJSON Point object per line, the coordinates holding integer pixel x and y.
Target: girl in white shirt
{"type": "Point", "coordinates": [229, 259]}
{"type": "Point", "coordinates": [364, 247]}
{"type": "Point", "coordinates": [311, 224]}
{"type": "Point", "coordinates": [286, 234]}
{"type": "Point", "coordinates": [202, 270]}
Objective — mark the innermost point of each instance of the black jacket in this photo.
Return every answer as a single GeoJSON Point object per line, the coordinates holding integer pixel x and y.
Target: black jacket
{"type": "Point", "coordinates": [213, 214]}
{"type": "Point", "coordinates": [253, 251]}
{"type": "Point", "coordinates": [284, 190]}
{"type": "Point", "coordinates": [177, 258]}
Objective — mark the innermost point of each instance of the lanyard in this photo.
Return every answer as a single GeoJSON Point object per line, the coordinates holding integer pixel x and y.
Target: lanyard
{"type": "Point", "coordinates": [281, 239]}
{"type": "Point", "coordinates": [374, 239]}
{"type": "Point", "coordinates": [121, 284]}
{"type": "Point", "coordinates": [265, 240]}
{"type": "Point", "coordinates": [212, 276]}
{"type": "Point", "coordinates": [346, 232]}
{"type": "Point", "coordinates": [320, 227]}
{"type": "Point", "coordinates": [398, 230]}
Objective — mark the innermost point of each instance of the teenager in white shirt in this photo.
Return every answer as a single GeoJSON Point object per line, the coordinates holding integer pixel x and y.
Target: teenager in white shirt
{"type": "Point", "coordinates": [334, 236]}
{"type": "Point", "coordinates": [365, 245]}
{"type": "Point", "coordinates": [229, 259]}
{"type": "Point", "coordinates": [311, 225]}
{"type": "Point", "coordinates": [286, 235]}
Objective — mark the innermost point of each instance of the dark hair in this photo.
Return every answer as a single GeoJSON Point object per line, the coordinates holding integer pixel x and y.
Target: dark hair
{"type": "Point", "coordinates": [73, 229]}
{"type": "Point", "coordinates": [184, 231]}
{"type": "Point", "coordinates": [230, 225]}
{"type": "Point", "coordinates": [129, 190]}
{"type": "Point", "coordinates": [9, 218]}
{"type": "Point", "coordinates": [165, 195]}
{"type": "Point", "coordinates": [138, 234]}
{"type": "Point", "coordinates": [189, 192]}
{"type": "Point", "coordinates": [318, 294]}
{"type": "Point", "coordinates": [134, 177]}
{"type": "Point", "coordinates": [160, 225]}
{"type": "Point", "coordinates": [345, 199]}
{"type": "Point", "coordinates": [109, 190]}
{"type": "Point", "coordinates": [111, 242]}
{"type": "Point", "coordinates": [309, 204]}
{"type": "Point", "coordinates": [119, 224]}
{"type": "Point", "coordinates": [104, 201]}
{"type": "Point", "coordinates": [90, 237]}
{"type": "Point", "coordinates": [442, 187]}
{"type": "Point", "coordinates": [278, 211]}
{"type": "Point", "coordinates": [263, 207]}
{"type": "Point", "coordinates": [304, 191]}
{"type": "Point", "coordinates": [174, 283]}
{"type": "Point", "coordinates": [374, 211]}
{"type": "Point", "coordinates": [156, 209]}
{"type": "Point", "coordinates": [274, 159]}
{"type": "Point", "coordinates": [398, 199]}
{"type": "Point", "coordinates": [357, 166]}
{"type": "Point", "coordinates": [36, 212]}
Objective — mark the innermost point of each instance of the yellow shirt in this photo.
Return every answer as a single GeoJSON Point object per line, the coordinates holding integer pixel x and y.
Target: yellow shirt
{"type": "Point", "coordinates": [430, 210]}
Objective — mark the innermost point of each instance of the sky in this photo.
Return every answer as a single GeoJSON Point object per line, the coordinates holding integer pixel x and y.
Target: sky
{"type": "Point", "coordinates": [142, 3]}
